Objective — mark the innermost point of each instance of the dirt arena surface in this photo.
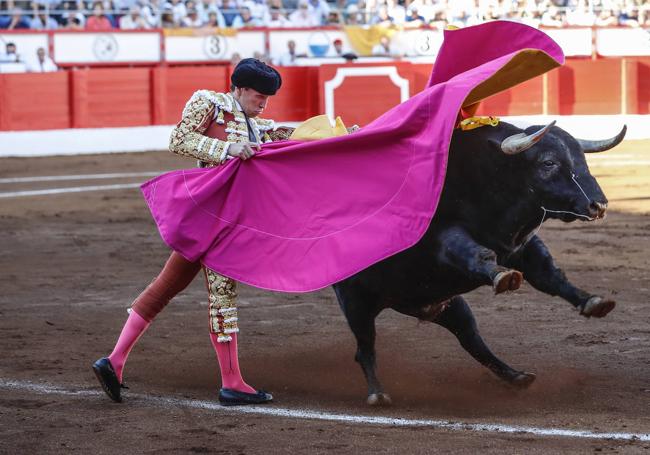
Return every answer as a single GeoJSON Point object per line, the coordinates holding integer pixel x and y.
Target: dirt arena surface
{"type": "Point", "coordinates": [72, 263]}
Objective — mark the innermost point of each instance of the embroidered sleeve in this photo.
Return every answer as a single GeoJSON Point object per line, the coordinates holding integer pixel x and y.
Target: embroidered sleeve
{"type": "Point", "coordinates": [282, 133]}
{"type": "Point", "coordinates": [187, 137]}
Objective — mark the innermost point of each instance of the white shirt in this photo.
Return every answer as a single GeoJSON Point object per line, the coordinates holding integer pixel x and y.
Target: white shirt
{"type": "Point", "coordinates": [47, 66]}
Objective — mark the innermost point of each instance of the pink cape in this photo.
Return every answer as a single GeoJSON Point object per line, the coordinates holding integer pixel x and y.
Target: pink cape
{"type": "Point", "coordinates": [303, 215]}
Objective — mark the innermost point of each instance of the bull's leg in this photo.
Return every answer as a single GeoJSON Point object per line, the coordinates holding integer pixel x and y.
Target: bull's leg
{"type": "Point", "coordinates": [459, 250]}
{"type": "Point", "coordinates": [459, 320]}
{"type": "Point", "coordinates": [536, 262]}
{"type": "Point", "coordinates": [361, 318]}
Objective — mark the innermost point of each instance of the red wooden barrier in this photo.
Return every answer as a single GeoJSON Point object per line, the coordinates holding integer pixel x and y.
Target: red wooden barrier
{"type": "Point", "coordinates": [34, 101]}
{"type": "Point", "coordinates": [156, 96]}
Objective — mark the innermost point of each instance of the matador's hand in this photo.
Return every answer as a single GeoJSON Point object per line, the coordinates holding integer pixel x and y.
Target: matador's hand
{"type": "Point", "coordinates": [243, 151]}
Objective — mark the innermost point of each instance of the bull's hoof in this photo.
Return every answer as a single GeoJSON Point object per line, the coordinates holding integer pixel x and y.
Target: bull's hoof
{"type": "Point", "coordinates": [379, 399]}
{"type": "Point", "coordinates": [597, 307]}
{"type": "Point", "coordinates": [510, 280]}
{"type": "Point", "coordinates": [523, 380]}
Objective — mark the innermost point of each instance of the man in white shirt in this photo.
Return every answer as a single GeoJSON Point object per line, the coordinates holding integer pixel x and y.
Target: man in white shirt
{"type": "Point", "coordinates": [303, 16]}
{"type": "Point", "coordinates": [10, 55]}
{"type": "Point", "coordinates": [289, 57]}
{"type": "Point", "coordinates": [278, 19]}
{"type": "Point", "coordinates": [133, 20]}
{"type": "Point", "coordinates": [43, 63]}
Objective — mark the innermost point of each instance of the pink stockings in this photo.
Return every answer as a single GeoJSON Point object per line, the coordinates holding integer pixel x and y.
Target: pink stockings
{"type": "Point", "coordinates": [175, 276]}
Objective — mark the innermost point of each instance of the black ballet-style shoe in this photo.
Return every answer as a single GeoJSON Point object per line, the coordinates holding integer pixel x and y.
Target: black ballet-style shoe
{"type": "Point", "coordinates": [108, 379]}
{"type": "Point", "coordinates": [229, 397]}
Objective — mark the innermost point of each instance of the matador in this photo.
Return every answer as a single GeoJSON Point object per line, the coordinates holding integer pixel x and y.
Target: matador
{"type": "Point", "coordinates": [215, 127]}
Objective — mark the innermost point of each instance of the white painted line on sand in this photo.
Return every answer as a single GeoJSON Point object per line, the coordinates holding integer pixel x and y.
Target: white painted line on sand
{"type": "Point", "coordinates": [54, 178]}
{"type": "Point", "coordinates": [331, 417]}
{"type": "Point", "coordinates": [76, 189]}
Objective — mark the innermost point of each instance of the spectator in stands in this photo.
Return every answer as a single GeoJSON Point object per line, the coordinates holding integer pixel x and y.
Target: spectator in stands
{"type": "Point", "coordinates": [42, 20]}
{"type": "Point", "coordinates": [133, 20]}
{"type": "Point", "coordinates": [413, 18]}
{"type": "Point", "coordinates": [606, 18]}
{"type": "Point", "coordinates": [384, 48]}
{"type": "Point", "coordinates": [289, 58]}
{"type": "Point", "coordinates": [352, 15]}
{"type": "Point", "coordinates": [10, 55]}
{"type": "Point", "coordinates": [42, 64]}
{"type": "Point", "coordinates": [278, 19]}
{"type": "Point", "coordinates": [259, 11]}
{"type": "Point", "coordinates": [179, 11]}
{"type": "Point", "coordinates": [339, 51]}
{"type": "Point", "coordinates": [215, 19]}
{"type": "Point", "coordinates": [319, 9]}
{"type": "Point", "coordinates": [205, 7]}
{"type": "Point", "coordinates": [334, 18]}
{"type": "Point", "coordinates": [629, 17]}
{"type": "Point", "coordinates": [235, 58]}
{"type": "Point", "coordinates": [192, 19]}
{"type": "Point", "coordinates": [552, 18]}
{"type": "Point", "coordinates": [98, 21]}
{"type": "Point", "coordinates": [303, 16]}
{"type": "Point", "coordinates": [230, 12]}
{"type": "Point", "coordinates": [71, 18]}
{"type": "Point", "coordinates": [382, 18]}
{"type": "Point", "coordinates": [148, 14]}
{"type": "Point", "coordinates": [580, 15]}
{"type": "Point", "coordinates": [396, 11]}
{"type": "Point", "coordinates": [167, 17]}
{"type": "Point", "coordinates": [245, 19]}
{"type": "Point", "coordinates": [18, 21]}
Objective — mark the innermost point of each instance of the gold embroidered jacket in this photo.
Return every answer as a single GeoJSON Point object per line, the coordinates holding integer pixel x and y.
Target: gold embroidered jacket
{"type": "Point", "coordinates": [212, 121]}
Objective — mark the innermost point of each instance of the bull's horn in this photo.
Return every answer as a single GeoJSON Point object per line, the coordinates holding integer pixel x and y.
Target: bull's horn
{"type": "Point", "coordinates": [605, 144]}
{"type": "Point", "coordinates": [519, 142]}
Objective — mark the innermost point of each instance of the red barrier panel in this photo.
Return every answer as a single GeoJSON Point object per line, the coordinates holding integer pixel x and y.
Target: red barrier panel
{"type": "Point", "coordinates": [111, 97]}
{"type": "Point", "coordinates": [38, 101]}
{"type": "Point", "coordinates": [638, 86]}
{"type": "Point", "coordinates": [297, 100]}
{"type": "Point", "coordinates": [583, 87]}
{"type": "Point", "coordinates": [173, 86]}
{"type": "Point", "coordinates": [361, 97]}
{"type": "Point", "coordinates": [524, 99]}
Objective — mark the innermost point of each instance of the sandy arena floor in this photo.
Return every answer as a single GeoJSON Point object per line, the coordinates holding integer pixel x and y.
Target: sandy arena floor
{"type": "Point", "coordinates": [72, 263]}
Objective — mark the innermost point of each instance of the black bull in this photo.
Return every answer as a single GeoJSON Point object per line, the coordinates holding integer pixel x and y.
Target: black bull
{"type": "Point", "coordinates": [501, 184]}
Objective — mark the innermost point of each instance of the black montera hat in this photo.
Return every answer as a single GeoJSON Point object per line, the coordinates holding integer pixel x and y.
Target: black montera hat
{"type": "Point", "coordinates": [257, 75]}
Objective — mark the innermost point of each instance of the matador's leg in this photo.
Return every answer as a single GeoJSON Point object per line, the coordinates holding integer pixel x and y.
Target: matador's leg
{"type": "Point", "coordinates": [222, 297]}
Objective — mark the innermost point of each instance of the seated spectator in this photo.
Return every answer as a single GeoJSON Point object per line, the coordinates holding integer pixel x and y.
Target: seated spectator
{"type": "Point", "coordinates": [384, 48]}
{"type": "Point", "coordinates": [352, 15]}
{"type": "Point", "coordinates": [259, 11]}
{"type": "Point", "coordinates": [18, 21]}
{"type": "Point", "coordinates": [289, 57]}
{"type": "Point", "coordinates": [245, 19]}
{"type": "Point", "coordinates": [278, 19]}
{"type": "Point", "coordinates": [303, 16]}
{"type": "Point", "coordinates": [179, 11]}
{"type": "Point", "coordinates": [396, 11]}
{"type": "Point", "coordinates": [147, 12]}
{"type": "Point", "coordinates": [629, 17]}
{"type": "Point", "coordinates": [580, 15]}
{"type": "Point", "coordinates": [339, 51]}
{"type": "Point", "coordinates": [167, 17]}
{"type": "Point", "coordinates": [192, 19]}
{"type": "Point", "coordinates": [133, 20]}
{"type": "Point", "coordinates": [320, 10]}
{"type": "Point", "coordinates": [606, 18]}
{"type": "Point", "coordinates": [215, 19]}
{"type": "Point", "coordinates": [413, 18]}
{"type": "Point", "coordinates": [71, 18]}
{"type": "Point", "coordinates": [235, 58]}
{"type": "Point", "coordinates": [230, 12]}
{"type": "Point", "coordinates": [382, 18]}
{"type": "Point", "coordinates": [333, 18]}
{"type": "Point", "coordinates": [42, 64]}
{"type": "Point", "coordinates": [42, 20]}
{"type": "Point", "coordinates": [552, 18]}
{"type": "Point", "coordinates": [98, 21]}
{"type": "Point", "coordinates": [10, 55]}
{"type": "Point", "coordinates": [205, 7]}
{"type": "Point", "coordinates": [440, 21]}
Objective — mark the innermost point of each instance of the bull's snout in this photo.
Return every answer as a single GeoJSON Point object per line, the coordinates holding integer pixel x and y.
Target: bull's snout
{"type": "Point", "coordinates": [597, 209]}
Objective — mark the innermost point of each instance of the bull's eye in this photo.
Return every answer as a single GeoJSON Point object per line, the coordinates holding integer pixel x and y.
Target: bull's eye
{"type": "Point", "coordinates": [549, 163]}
